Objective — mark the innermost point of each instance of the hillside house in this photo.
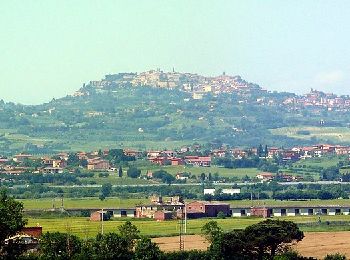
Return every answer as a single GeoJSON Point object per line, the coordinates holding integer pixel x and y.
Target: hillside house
{"type": "Point", "coordinates": [22, 157]}
{"type": "Point", "coordinates": [265, 176]}
{"type": "Point", "coordinates": [202, 161]}
{"type": "Point", "coordinates": [98, 164]}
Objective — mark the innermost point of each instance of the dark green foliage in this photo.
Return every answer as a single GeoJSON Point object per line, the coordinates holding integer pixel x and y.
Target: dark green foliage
{"type": "Point", "coordinates": [336, 256]}
{"type": "Point", "coordinates": [130, 233]}
{"type": "Point", "coordinates": [117, 156]}
{"type": "Point", "coordinates": [120, 172]}
{"type": "Point", "coordinates": [330, 174]}
{"type": "Point", "coordinates": [133, 172]}
{"type": "Point", "coordinates": [188, 255]}
{"type": "Point", "coordinates": [264, 239]}
{"type": "Point", "coordinates": [58, 245]}
{"type": "Point", "coordinates": [111, 246]}
{"type": "Point", "coordinates": [11, 217]}
{"type": "Point", "coordinates": [106, 189]}
{"type": "Point", "coordinates": [212, 231]}
{"type": "Point", "coordinates": [145, 249]}
{"type": "Point", "coordinates": [164, 176]}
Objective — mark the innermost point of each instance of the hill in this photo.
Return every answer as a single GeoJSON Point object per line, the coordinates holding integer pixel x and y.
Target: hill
{"type": "Point", "coordinates": [120, 114]}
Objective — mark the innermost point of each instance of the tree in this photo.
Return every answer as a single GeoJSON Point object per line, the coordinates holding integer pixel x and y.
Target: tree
{"type": "Point", "coordinates": [129, 232]}
{"type": "Point", "coordinates": [111, 246]}
{"type": "Point", "coordinates": [212, 231]}
{"type": "Point", "coordinates": [133, 172]}
{"type": "Point", "coordinates": [210, 179]}
{"type": "Point", "coordinates": [73, 159]}
{"type": "Point", "coordinates": [259, 241]}
{"type": "Point", "coordinates": [120, 172]}
{"type": "Point", "coordinates": [145, 249]}
{"type": "Point", "coordinates": [164, 176]}
{"type": "Point", "coordinates": [272, 236]}
{"type": "Point", "coordinates": [202, 177]}
{"type": "Point", "coordinates": [58, 245]}
{"type": "Point", "coordinates": [260, 150]}
{"type": "Point", "coordinates": [11, 217]}
{"type": "Point", "coordinates": [106, 189]}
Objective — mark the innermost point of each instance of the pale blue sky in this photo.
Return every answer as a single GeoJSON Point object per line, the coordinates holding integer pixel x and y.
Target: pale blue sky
{"type": "Point", "coordinates": [50, 48]}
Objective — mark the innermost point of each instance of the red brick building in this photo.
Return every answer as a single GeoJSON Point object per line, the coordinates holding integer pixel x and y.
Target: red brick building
{"type": "Point", "coordinates": [197, 209]}
{"type": "Point", "coordinates": [260, 212]}
{"type": "Point", "coordinates": [163, 215]}
{"type": "Point", "coordinates": [97, 216]}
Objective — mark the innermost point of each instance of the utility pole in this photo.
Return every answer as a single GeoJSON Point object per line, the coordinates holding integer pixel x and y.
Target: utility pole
{"type": "Point", "coordinates": [181, 230]}
{"type": "Point", "coordinates": [185, 218]}
{"type": "Point", "coordinates": [102, 217]}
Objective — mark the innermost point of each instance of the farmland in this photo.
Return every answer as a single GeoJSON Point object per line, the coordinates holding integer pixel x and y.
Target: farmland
{"type": "Point", "coordinates": [83, 227]}
{"type": "Point", "coordinates": [324, 134]}
{"type": "Point", "coordinates": [196, 171]}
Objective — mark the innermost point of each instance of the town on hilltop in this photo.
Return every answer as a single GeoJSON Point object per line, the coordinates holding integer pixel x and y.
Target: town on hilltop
{"type": "Point", "coordinates": [199, 85]}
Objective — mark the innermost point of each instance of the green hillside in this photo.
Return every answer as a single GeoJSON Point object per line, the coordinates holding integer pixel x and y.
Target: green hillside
{"type": "Point", "coordinates": [152, 118]}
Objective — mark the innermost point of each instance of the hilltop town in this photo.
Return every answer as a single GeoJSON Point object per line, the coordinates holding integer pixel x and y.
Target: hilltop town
{"type": "Point", "coordinates": [199, 85]}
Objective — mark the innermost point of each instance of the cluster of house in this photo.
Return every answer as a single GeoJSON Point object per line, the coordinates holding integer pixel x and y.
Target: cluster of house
{"type": "Point", "coordinates": [96, 160]}
{"type": "Point", "coordinates": [54, 164]}
{"type": "Point", "coordinates": [319, 99]}
{"type": "Point", "coordinates": [196, 84]}
{"type": "Point", "coordinates": [166, 157]}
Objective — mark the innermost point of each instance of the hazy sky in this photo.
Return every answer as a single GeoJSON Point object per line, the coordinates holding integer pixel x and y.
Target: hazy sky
{"type": "Point", "coordinates": [50, 48]}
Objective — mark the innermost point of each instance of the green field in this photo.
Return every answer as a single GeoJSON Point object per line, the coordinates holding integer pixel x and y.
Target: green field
{"type": "Point", "coordinates": [334, 134]}
{"type": "Point", "coordinates": [72, 203]}
{"type": "Point", "coordinates": [223, 172]}
{"type": "Point", "coordinates": [324, 162]}
{"type": "Point", "coordinates": [114, 179]}
{"type": "Point", "coordinates": [83, 227]}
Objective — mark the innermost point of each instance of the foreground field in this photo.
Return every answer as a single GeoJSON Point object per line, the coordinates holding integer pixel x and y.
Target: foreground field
{"type": "Point", "coordinates": [114, 202]}
{"type": "Point", "coordinates": [83, 227]}
{"type": "Point", "coordinates": [314, 244]}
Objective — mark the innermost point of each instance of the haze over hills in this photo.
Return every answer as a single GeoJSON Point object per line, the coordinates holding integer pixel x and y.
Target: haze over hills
{"type": "Point", "coordinates": [157, 109]}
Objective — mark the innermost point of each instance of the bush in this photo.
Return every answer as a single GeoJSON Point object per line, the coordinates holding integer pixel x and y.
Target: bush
{"type": "Point", "coordinates": [336, 256]}
{"type": "Point", "coordinates": [133, 172]}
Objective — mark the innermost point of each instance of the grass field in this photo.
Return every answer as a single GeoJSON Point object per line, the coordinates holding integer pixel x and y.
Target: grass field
{"type": "Point", "coordinates": [83, 227]}
{"type": "Point", "coordinates": [223, 172]}
{"type": "Point", "coordinates": [114, 179]}
{"type": "Point", "coordinates": [324, 162]}
{"type": "Point", "coordinates": [335, 134]}
{"type": "Point", "coordinates": [71, 203]}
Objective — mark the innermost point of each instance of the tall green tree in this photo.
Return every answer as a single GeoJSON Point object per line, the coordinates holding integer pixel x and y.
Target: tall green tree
{"type": "Point", "coordinates": [145, 249]}
{"type": "Point", "coordinates": [130, 232]}
{"type": "Point", "coordinates": [11, 217]}
{"type": "Point", "coordinates": [59, 245]}
{"type": "Point", "coordinates": [120, 172]}
{"type": "Point", "coordinates": [272, 236]}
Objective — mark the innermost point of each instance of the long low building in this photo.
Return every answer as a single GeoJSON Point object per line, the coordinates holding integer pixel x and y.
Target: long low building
{"type": "Point", "coordinates": [236, 211]}
{"type": "Point", "coordinates": [280, 211]}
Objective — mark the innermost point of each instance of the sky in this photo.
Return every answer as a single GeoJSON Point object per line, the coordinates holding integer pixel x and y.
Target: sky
{"type": "Point", "coordinates": [48, 49]}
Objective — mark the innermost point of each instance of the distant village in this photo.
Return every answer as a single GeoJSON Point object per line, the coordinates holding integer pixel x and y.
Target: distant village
{"type": "Point", "coordinates": [199, 85]}
{"type": "Point", "coordinates": [191, 156]}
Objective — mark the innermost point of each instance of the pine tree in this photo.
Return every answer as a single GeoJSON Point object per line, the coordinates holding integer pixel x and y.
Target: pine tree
{"type": "Point", "coordinates": [120, 172]}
